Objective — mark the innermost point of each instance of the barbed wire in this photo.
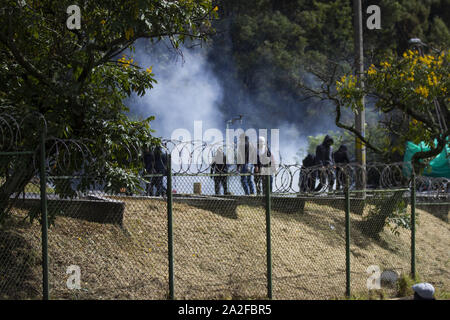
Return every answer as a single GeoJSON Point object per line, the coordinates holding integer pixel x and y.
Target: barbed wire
{"type": "Point", "coordinates": [12, 125]}
{"type": "Point", "coordinates": [197, 157]}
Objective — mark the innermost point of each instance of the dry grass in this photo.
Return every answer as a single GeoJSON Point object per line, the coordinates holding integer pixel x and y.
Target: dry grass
{"type": "Point", "coordinates": [222, 258]}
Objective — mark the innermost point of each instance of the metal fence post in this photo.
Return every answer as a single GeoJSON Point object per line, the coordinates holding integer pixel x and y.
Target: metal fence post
{"type": "Point", "coordinates": [170, 227]}
{"type": "Point", "coordinates": [413, 223]}
{"type": "Point", "coordinates": [268, 238]}
{"type": "Point", "coordinates": [44, 222]}
{"type": "Point", "coordinates": [347, 236]}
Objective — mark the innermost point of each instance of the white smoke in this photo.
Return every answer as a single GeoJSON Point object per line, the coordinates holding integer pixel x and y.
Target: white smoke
{"type": "Point", "coordinates": [293, 144]}
{"type": "Point", "coordinates": [186, 91]}
{"type": "Point", "coordinates": [189, 90]}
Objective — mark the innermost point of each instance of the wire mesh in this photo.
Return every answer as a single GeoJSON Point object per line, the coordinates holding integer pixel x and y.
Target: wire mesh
{"type": "Point", "coordinates": [433, 232]}
{"type": "Point", "coordinates": [118, 242]}
{"type": "Point", "coordinates": [219, 238]}
{"type": "Point", "coordinates": [20, 240]}
{"type": "Point", "coordinates": [380, 240]}
{"type": "Point", "coordinates": [308, 247]}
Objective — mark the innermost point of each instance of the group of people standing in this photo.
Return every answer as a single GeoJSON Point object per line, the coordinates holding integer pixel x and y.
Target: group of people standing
{"type": "Point", "coordinates": [251, 163]}
{"type": "Point", "coordinates": [324, 158]}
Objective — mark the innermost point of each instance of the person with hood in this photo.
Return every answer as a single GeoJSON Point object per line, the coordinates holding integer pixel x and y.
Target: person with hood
{"type": "Point", "coordinates": [324, 158]}
{"type": "Point", "coordinates": [264, 162]}
{"type": "Point", "coordinates": [219, 166]}
{"type": "Point", "coordinates": [246, 158]}
{"type": "Point", "coordinates": [307, 176]}
{"type": "Point", "coordinates": [340, 159]}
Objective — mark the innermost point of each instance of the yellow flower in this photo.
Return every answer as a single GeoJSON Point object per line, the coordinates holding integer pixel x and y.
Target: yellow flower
{"type": "Point", "coordinates": [149, 70]}
{"type": "Point", "coordinates": [426, 60]}
{"type": "Point", "coordinates": [435, 80]}
{"type": "Point", "coordinates": [216, 8]}
{"type": "Point", "coordinates": [351, 81]}
{"type": "Point", "coordinates": [423, 91]}
{"type": "Point", "coordinates": [103, 22]}
{"type": "Point", "coordinates": [385, 64]}
{"type": "Point", "coordinates": [124, 62]}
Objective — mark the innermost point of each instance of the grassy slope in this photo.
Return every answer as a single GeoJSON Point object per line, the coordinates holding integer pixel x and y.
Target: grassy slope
{"type": "Point", "coordinates": [215, 256]}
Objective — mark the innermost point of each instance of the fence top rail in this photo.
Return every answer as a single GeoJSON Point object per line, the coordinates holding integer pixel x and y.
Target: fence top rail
{"type": "Point", "coordinates": [16, 153]}
{"type": "Point", "coordinates": [371, 191]}
{"type": "Point", "coordinates": [438, 203]}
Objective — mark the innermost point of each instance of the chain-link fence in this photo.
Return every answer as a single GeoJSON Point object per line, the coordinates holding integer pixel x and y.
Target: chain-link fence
{"type": "Point", "coordinates": [20, 240]}
{"type": "Point", "coordinates": [114, 243]}
{"type": "Point", "coordinates": [228, 239]}
{"type": "Point", "coordinates": [433, 232]}
{"type": "Point", "coordinates": [219, 238]}
{"type": "Point", "coordinates": [308, 247]}
{"type": "Point", "coordinates": [380, 239]}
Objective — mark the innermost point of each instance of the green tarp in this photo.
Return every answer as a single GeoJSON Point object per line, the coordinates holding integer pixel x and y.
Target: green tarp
{"type": "Point", "coordinates": [438, 167]}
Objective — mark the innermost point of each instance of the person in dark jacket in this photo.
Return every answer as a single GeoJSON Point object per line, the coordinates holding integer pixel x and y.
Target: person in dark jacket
{"type": "Point", "coordinates": [155, 161]}
{"type": "Point", "coordinates": [324, 158]}
{"type": "Point", "coordinates": [307, 176]}
{"type": "Point", "coordinates": [219, 166]}
{"type": "Point", "coordinates": [340, 159]}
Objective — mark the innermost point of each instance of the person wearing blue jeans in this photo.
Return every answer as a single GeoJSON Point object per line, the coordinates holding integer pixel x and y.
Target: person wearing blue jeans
{"type": "Point", "coordinates": [247, 181]}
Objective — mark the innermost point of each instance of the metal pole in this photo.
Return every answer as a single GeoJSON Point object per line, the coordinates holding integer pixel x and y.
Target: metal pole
{"type": "Point", "coordinates": [170, 227]}
{"type": "Point", "coordinates": [413, 223]}
{"type": "Point", "coordinates": [44, 222]}
{"type": "Point", "coordinates": [268, 238]}
{"type": "Point", "coordinates": [347, 236]}
{"type": "Point", "coordinates": [360, 119]}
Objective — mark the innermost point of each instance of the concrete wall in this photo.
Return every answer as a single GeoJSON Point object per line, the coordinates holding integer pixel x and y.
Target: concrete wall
{"type": "Point", "coordinates": [89, 210]}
